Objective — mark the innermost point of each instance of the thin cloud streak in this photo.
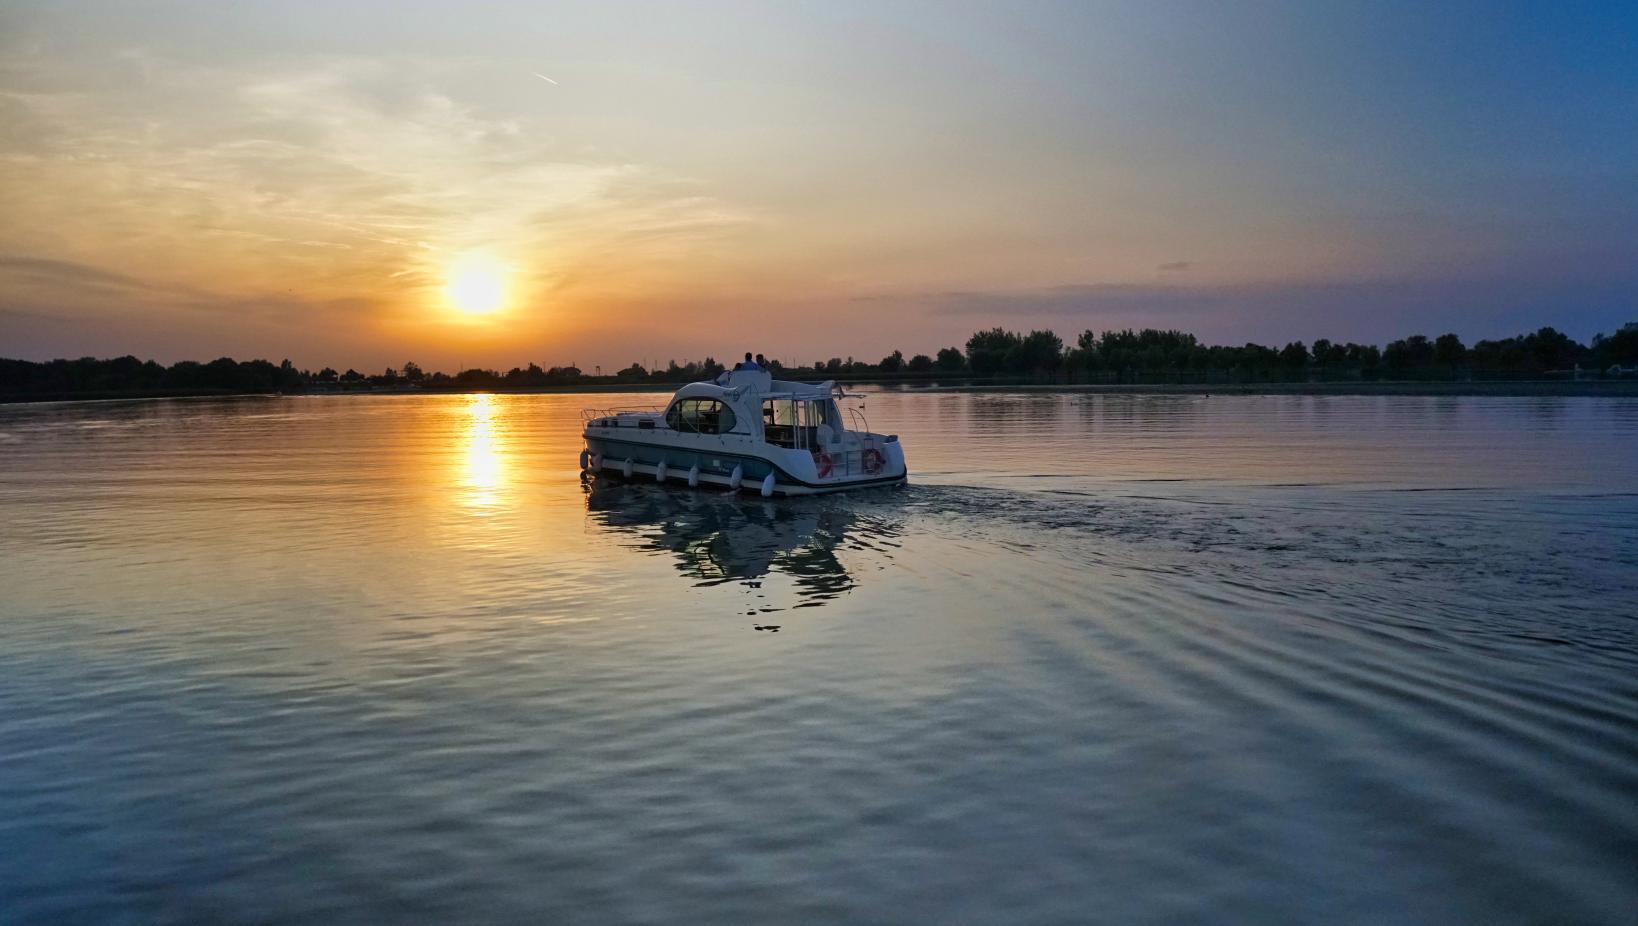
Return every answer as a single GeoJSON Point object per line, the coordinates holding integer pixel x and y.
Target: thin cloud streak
{"type": "Point", "coordinates": [1474, 307]}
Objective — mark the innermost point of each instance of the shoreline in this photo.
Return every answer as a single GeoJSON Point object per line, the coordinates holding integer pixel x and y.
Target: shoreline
{"type": "Point", "coordinates": [1519, 389]}
{"type": "Point", "coordinates": [1501, 389]}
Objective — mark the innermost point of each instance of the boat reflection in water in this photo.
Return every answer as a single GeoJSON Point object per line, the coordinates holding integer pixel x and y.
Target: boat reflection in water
{"type": "Point", "coordinates": [720, 538]}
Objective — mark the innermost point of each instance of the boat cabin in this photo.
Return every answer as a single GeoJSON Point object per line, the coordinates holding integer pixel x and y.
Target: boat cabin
{"type": "Point", "coordinates": [794, 416]}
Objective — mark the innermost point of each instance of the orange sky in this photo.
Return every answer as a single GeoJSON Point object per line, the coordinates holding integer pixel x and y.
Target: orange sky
{"type": "Point", "coordinates": [653, 182]}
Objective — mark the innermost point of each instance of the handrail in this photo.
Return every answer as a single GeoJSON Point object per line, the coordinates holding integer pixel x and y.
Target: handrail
{"type": "Point", "coordinates": [589, 414]}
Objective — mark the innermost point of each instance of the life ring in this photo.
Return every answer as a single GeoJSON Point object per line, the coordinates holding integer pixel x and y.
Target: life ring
{"type": "Point", "coordinates": [822, 462]}
{"type": "Point", "coordinates": [873, 460]}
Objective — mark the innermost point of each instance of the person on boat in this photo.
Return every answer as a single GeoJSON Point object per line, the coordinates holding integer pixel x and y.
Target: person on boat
{"type": "Point", "coordinates": [747, 365]}
{"type": "Point", "coordinates": [761, 363]}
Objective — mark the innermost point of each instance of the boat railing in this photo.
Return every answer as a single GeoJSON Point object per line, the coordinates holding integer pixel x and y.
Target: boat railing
{"type": "Point", "coordinates": [589, 415]}
{"type": "Point", "coordinates": [848, 461]}
{"type": "Point", "coordinates": [857, 422]}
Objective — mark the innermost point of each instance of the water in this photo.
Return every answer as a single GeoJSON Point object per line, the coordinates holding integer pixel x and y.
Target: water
{"type": "Point", "coordinates": [1108, 658]}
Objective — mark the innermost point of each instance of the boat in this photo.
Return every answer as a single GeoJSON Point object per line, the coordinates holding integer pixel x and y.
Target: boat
{"type": "Point", "coordinates": [746, 430]}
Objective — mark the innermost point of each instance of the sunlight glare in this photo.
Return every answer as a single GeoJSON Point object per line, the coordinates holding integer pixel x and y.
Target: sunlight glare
{"type": "Point", "coordinates": [485, 470]}
{"type": "Point", "coordinates": [476, 284]}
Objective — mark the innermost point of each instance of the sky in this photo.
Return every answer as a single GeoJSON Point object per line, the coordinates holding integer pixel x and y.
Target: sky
{"type": "Point", "coordinates": [363, 182]}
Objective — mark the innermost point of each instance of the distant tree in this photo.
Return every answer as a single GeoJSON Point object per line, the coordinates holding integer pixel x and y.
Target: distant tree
{"type": "Point", "coordinates": [1294, 356]}
{"type": "Point", "coordinates": [1036, 352]}
{"type": "Point", "coordinates": [1408, 356]}
{"type": "Point", "coordinates": [326, 375]}
{"type": "Point", "coordinates": [476, 378]}
{"type": "Point", "coordinates": [1552, 349]}
{"type": "Point", "coordinates": [1449, 352]}
{"type": "Point", "coordinates": [287, 378]}
{"type": "Point", "coordinates": [1618, 349]}
{"type": "Point", "coordinates": [1365, 357]}
{"type": "Point", "coordinates": [987, 351]}
{"type": "Point", "coordinates": [951, 359]}
{"type": "Point", "coordinates": [920, 363]}
{"type": "Point", "coordinates": [352, 376]}
{"type": "Point", "coordinates": [412, 372]}
{"type": "Point", "coordinates": [1328, 354]}
{"type": "Point", "coordinates": [633, 373]}
{"type": "Point", "coordinates": [892, 363]}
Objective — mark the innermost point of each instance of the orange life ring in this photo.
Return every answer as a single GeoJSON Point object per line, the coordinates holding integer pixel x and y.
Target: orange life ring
{"type": "Point", "coordinates": [873, 460]}
{"type": "Point", "coordinates": [822, 462]}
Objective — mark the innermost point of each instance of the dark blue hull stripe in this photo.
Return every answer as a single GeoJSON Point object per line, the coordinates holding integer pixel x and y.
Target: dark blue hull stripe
{"type": "Point", "coordinates": [680, 458]}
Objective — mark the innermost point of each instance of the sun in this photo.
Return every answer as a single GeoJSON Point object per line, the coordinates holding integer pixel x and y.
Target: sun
{"type": "Point", "coordinates": [476, 284]}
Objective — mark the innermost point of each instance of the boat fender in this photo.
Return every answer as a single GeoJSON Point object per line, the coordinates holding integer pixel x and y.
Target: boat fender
{"type": "Point", "coordinates": [625, 468]}
{"type": "Point", "coordinates": [694, 476]}
{"type": "Point", "coordinates": [585, 461]}
{"type": "Point", "coordinates": [767, 486]}
{"type": "Point", "coordinates": [822, 463]}
{"type": "Point", "coordinates": [873, 460]}
{"type": "Point", "coordinates": [659, 472]}
{"type": "Point", "coordinates": [736, 478]}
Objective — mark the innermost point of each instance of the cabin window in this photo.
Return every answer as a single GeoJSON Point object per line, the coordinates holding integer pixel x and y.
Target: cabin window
{"type": "Point", "coordinates": [795, 422]}
{"type": "Point", "coordinates": [700, 416]}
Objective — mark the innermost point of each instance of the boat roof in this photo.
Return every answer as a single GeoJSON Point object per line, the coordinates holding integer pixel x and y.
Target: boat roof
{"type": "Point", "coordinates": [762, 384]}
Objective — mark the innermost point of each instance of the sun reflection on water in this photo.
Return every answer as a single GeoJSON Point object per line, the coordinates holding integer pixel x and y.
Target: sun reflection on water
{"type": "Point", "coordinates": [485, 477]}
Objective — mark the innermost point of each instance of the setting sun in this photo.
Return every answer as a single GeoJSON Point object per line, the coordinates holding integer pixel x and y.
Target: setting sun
{"type": "Point", "coordinates": [477, 284]}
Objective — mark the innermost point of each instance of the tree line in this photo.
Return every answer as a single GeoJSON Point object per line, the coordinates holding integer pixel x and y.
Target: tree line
{"type": "Point", "coordinates": [1147, 356]}
{"type": "Point", "coordinates": [1154, 356]}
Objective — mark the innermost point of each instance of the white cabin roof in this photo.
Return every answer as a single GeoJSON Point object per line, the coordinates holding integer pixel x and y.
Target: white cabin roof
{"type": "Point", "coordinates": [745, 383]}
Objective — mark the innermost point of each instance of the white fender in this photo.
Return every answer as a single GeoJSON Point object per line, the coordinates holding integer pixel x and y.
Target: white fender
{"type": "Point", "coordinates": [734, 480]}
{"type": "Point", "coordinates": [625, 468]}
{"type": "Point", "coordinates": [585, 461]}
{"type": "Point", "coordinates": [694, 476]}
{"type": "Point", "coordinates": [767, 486]}
{"type": "Point", "coordinates": [659, 472]}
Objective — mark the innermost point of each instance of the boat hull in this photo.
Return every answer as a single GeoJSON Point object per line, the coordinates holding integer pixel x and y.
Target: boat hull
{"type": "Point", "coordinates": [606, 455]}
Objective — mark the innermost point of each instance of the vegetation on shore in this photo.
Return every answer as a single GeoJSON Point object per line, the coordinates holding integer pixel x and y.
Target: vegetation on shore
{"type": "Point", "coordinates": [1149, 356]}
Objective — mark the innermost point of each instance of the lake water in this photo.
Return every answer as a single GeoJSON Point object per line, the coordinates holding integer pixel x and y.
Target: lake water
{"type": "Point", "coordinates": [1116, 659]}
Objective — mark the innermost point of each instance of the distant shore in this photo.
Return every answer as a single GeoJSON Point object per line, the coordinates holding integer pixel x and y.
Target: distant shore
{"type": "Point", "coordinates": [1522, 388]}
{"type": "Point", "coordinates": [1613, 388]}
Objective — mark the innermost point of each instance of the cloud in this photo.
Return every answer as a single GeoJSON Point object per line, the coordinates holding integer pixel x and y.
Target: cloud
{"type": "Point", "coordinates": [1175, 265]}
{"type": "Point", "coordinates": [24, 271]}
{"type": "Point", "coordinates": [272, 185]}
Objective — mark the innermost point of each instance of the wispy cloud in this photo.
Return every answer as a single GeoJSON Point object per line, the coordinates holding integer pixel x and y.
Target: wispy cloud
{"type": "Point", "coordinates": [336, 179]}
{"type": "Point", "coordinates": [25, 271]}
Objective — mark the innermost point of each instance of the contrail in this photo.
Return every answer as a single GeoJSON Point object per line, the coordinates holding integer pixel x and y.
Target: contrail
{"type": "Point", "coordinates": [545, 78]}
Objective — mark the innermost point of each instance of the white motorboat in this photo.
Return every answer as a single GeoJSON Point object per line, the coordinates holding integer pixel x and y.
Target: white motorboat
{"type": "Point", "coordinates": [747, 430]}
